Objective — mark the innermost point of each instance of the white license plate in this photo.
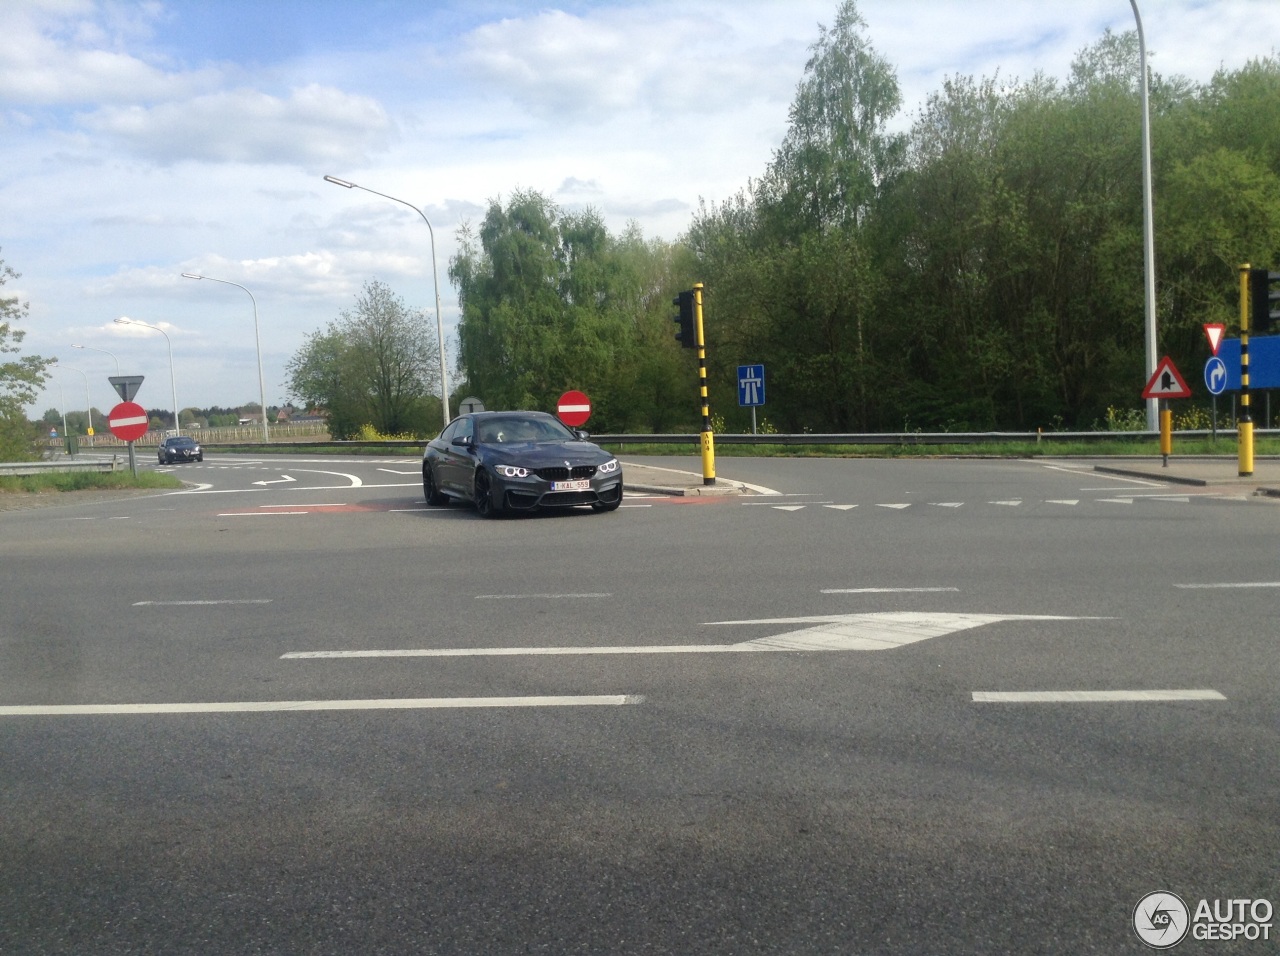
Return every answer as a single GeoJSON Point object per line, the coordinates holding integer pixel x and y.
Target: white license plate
{"type": "Point", "coordinates": [570, 485]}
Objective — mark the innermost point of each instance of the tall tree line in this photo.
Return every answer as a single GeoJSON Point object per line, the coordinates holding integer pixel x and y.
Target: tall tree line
{"type": "Point", "coordinates": [985, 269]}
{"type": "Point", "coordinates": [979, 267]}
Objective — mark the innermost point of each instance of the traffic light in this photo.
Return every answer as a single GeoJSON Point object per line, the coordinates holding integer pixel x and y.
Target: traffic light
{"type": "Point", "coordinates": [1262, 300]}
{"type": "Point", "coordinates": [688, 334]}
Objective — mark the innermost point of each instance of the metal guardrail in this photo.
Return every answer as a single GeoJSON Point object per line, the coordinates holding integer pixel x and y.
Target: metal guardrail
{"type": "Point", "coordinates": [852, 438]}
{"type": "Point", "coordinates": [98, 465]}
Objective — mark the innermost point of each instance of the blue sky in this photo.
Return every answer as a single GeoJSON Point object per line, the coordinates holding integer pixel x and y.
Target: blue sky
{"type": "Point", "coordinates": [141, 139]}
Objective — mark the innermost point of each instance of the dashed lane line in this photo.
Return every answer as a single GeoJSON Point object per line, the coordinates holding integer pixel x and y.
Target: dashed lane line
{"type": "Point", "coordinates": [268, 706]}
{"type": "Point", "coordinates": [1091, 696]}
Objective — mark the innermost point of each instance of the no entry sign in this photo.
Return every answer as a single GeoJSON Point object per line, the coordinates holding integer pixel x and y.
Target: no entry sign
{"type": "Point", "coordinates": [128, 421]}
{"type": "Point", "coordinates": [574, 408]}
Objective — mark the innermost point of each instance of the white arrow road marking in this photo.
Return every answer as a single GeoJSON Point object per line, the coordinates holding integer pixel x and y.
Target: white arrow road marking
{"type": "Point", "coordinates": [276, 481]}
{"type": "Point", "coordinates": [835, 632]}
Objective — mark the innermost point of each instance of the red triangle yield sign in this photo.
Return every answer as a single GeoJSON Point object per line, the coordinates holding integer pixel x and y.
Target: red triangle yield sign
{"type": "Point", "coordinates": [1214, 330]}
{"type": "Point", "coordinates": [1166, 382]}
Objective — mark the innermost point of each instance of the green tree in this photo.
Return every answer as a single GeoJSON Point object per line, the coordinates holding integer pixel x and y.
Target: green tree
{"type": "Point", "coordinates": [377, 364]}
{"type": "Point", "coordinates": [21, 378]}
{"type": "Point", "coordinates": [551, 301]}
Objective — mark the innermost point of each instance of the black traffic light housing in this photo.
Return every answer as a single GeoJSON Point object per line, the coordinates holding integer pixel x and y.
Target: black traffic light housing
{"type": "Point", "coordinates": [688, 334]}
{"type": "Point", "coordinates": [1262, 301]}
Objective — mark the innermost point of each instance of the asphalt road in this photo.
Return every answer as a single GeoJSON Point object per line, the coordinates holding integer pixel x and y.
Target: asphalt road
{"type": "Point", "coordinates": [317, 717]}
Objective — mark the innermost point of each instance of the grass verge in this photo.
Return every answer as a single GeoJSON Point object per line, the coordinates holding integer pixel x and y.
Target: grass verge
{"type": "Point", "coordinates": [83, 480]}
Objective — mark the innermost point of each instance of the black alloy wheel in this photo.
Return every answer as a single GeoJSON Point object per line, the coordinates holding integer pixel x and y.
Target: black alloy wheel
{"type": "Point", "coordinates": [435, 498]}
{"type": "Point", "coordinates": [486, 505]}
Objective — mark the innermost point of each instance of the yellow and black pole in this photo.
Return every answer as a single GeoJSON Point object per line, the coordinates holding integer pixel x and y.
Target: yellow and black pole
{"type": "Point", "coordinates": [1166, 431]}
{"type": "Point", "coordinates": [1244, 428]}
{"type": "Point", "coordinates": [708, 440]}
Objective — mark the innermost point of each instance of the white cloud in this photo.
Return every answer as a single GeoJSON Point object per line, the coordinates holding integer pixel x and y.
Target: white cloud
{"type": "Point", "coordinates": [56, 53]}
{"type": "Point", "coordinates": [314, 125]}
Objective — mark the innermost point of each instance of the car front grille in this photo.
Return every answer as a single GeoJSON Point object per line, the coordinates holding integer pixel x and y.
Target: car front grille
{"type": "Point", "coordinates": [565, 474]}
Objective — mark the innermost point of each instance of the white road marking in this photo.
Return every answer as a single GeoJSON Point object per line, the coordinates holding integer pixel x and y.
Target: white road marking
{"type": "Point", "coordinates": [835, 632]}
{"type": "Point", "coordinates": [195, 603]}
{"type": "Point", "coordinates": [1238, 584]}
{"type": "Point", "coordinates": [886, 590]}
{"type": "Point", "coordinates": [1013, 503]}
{"type": "Point", "coordinates": [394, 471]}
{"type": "Point", "coordinates": [899, 506]}
{"type": "Point", "coordinates": [788, 507]}
{"type": "Point", "coordinates": [1062, 501]}
{"type": "Point", "coordinates": [284, 479]}
{"type": "Point", "coordinates": [946, 504]}
{"type": "Point", "coordinates": [1116, 501]}
{"type": "Point", "coordinates": [521, 597]}
{"type": "Point", "coordinates": [1090, 696]}
{"type": "Point", "coordinates": [257, 514]}
{"type": "Point", "coordinates": [331, 504]}
{"type": "Point", "coordinates": [1081, 472]}
{"type": "Point", "coordinates": [355, 481]}
{"type": "Point", "coordinates": [840, 507]}
{"type": "Point", "coordinates": [245, 707]}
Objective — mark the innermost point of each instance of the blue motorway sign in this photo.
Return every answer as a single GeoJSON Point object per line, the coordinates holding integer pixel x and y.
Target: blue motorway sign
{"type": "Point", "coordinates": [1264, 364]}
{"type": "Point", "coordinates": [750, 385]}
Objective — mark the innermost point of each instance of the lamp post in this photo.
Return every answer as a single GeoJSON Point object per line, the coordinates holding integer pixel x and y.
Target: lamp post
{"type": "Point", "coordinates": [94, 348]}
{"type": "Point", "coordinates": [125, 320]}
{"type": "Point", "coordinates": [444, 371]}
{"type": "Point", "coordinates": [88, 402]}
{"type": "Point", "coordinates": [257, 341]}
{"type": "Point", "coordinates": [1148, 226]}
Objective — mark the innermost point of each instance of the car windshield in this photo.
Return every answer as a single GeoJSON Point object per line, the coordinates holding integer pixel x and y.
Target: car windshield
{"type": "Point", "coordinates": [504, 430]}
{"type": "Point", "coordinates": [181, 442]}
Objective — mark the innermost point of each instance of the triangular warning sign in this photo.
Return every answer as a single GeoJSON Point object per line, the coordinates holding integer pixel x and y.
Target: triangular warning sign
{"type": "Point", "coordinates": [1214, 331]}
{"type": "Point", "coordinates": [1166, 382]}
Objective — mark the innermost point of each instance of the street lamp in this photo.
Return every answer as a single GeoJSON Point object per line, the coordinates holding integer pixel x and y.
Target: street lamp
{"type": "Point", "coordinates": [1148, 226]}
{"type": "Point", "coordinates": [125, 320]}
{"type": "Point", "coordinates": [94, 348]}
{"type": "Point", "coordinates": [88, 402]}
{"type": "Point", "coordinates": [444, 371]}
{"type": "Point", "coordinates": [257, 341]}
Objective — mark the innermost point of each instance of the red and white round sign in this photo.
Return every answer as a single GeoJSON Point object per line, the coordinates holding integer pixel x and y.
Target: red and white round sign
{"type": "Point", "coordinates": [574, 408]}
{"type": "Point", "coordinates": [128, 421]}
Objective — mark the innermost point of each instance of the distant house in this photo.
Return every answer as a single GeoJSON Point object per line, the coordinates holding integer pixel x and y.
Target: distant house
{"type": "Point", "coordinates": [312, 416]}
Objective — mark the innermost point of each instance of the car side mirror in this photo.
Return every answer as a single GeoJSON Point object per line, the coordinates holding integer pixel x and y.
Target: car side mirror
{"type": "Point", "coordinates": [462, 440]}
{"type": "Point", "coordinates": [582, 434]}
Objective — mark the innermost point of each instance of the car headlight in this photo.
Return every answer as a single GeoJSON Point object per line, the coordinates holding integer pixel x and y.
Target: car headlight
{"type": "Point", "coordinates": [609, 467]}
{"type": "Point", "coordinates": [512, 471]}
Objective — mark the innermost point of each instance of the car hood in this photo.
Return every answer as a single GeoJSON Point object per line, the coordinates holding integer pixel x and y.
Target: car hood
{"type": "Point", "coordinates": [544, 454]}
